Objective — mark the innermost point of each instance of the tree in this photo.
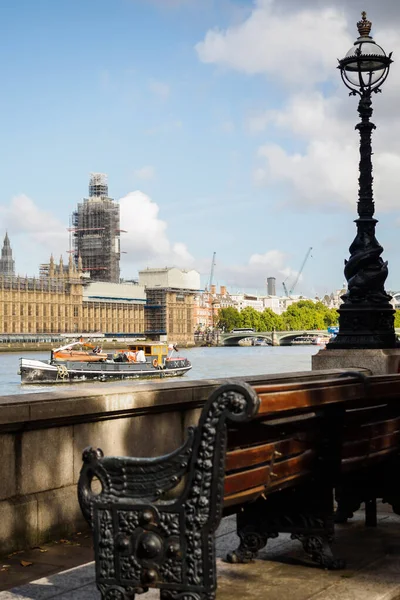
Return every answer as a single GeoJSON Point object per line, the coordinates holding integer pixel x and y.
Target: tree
{"type": "Point", "coordinates": [301, 315]}
{"type": "Point", "coordinates": [228, 318]}
{"type": "Point", "coordinates": [271, 320]}
{"type": "Point", "coordinates": [307, 315]}
{"type": "Point", "coordinates": [251, 318]}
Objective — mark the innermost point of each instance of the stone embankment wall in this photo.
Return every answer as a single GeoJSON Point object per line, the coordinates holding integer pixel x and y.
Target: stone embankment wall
{"type": "Point", "coordinates": [42, 436]}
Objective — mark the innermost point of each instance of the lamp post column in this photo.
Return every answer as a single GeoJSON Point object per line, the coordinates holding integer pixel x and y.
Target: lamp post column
{"type": "Point", "coordinates": [366, 317]}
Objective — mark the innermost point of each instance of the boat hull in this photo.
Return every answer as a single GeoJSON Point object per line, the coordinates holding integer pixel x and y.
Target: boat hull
{"type": "Point", "coordinates": [37, 371]}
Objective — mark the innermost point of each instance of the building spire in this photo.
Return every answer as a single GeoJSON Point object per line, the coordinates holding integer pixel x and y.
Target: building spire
{"type": "Point", "coordinates": [6, 261]}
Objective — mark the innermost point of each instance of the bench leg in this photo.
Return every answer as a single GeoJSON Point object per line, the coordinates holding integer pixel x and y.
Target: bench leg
{"type": "Point", "coordinates": [168, 595]}
{"type": "Point", "coordinates": [251, 541]}
{"type": "Point", "coordinates": [318, 547]}
{"type": "Point", "coordinates": [348, 502]}
{"type": "Point", "coordinates": [115, 593]}
{"type": "Point", "coordinates": [370, 513]}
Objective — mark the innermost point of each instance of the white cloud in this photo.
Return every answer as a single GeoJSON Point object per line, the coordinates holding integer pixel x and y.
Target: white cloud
{"type": "Point", "coordinates": [297, 47]}
{"type": "Point", "coordinates": [145, 173]}
{"type": "Point", "coordinates": [23, 216]}
{"type": "Point", "coordinates": [253, 275]}
{"type": "Point", "coordinates": [325, 172]}
{"type": "Point", "coordinates": [146, 241]}
{"type": "Point", "coordinates": [317, 155]}
{"type": "Point", "coordinates": [159, 88]}
{"type": "Point", "coordinates": [324, 175]}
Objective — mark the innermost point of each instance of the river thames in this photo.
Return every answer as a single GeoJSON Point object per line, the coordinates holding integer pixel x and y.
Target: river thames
{"type": "Point", "coordinates": [207, 363]}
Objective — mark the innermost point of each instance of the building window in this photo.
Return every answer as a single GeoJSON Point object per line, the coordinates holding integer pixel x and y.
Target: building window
{"type": "Point", "coordinates": [76, 311]}
{"type": "Point", "coordinates": [180, 298]}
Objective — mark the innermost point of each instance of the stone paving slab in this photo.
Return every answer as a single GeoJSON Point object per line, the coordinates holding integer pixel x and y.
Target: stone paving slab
{"type": "Point", "coordinates": [283, 570]}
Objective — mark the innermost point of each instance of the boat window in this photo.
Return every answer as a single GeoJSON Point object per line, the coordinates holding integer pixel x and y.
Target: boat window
{"type": "Point", "coordinates": [147, 350]}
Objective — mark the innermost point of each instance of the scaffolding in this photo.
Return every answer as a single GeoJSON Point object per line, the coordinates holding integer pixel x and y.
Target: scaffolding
{"type": "Point", "coordinates": [98, 185]}
{"type": "Point", "coordinates": [155, 312]}
{"type": "Point", "coordinates": [95, 232]}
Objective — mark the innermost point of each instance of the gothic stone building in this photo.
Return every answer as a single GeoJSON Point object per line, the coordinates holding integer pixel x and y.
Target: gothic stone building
{"type": "Point", "coordinates": [62, 300]}
{"type": "Point", "coordinates": [58, 302]}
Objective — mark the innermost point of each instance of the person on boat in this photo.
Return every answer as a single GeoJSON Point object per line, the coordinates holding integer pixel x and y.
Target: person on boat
{"type": "Point", "coordinates": [130, 356]}
{"type": "Point", "coordinates": [140, 357]}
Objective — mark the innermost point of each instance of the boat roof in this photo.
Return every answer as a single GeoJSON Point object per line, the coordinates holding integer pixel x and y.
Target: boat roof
{"type": "Point", "coordinates": [139, 343]}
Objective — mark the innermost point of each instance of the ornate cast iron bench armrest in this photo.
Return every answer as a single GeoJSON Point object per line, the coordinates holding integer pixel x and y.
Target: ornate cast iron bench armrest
{"type": "Point", "coordinates": [142, 539]}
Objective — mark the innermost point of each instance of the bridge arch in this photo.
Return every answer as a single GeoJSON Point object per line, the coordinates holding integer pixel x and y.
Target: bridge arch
{"type": "Point", "coordinates": [233, 339]}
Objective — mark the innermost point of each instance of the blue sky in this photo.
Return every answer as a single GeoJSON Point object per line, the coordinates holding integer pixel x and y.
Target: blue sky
{"type": "Point", "coordinates": [222, 126]}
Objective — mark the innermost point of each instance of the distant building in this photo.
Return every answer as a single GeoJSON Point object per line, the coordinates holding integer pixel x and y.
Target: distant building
{"type": "Point", "coordinates": [169, 310]}
{"type": "Point", "coordinates": [170, 277]}
{"type": "Point", "coordinates": [95, 232]}
{"type": "Point", "coordinates": [7, 263]}
{"type": "Point", "coordinates": [334, 300]}
{"type": "Point", "coordinates": [278, 304]}
{"type": "Point", "coordinates": [245, 300]}
{"type": "Point", "coordinates": [271, 286]}
{"type": "Point", "coordinates": [206, 306]}
{"type": "Point", "coordinates": [51, 303]}
{"type": "Point", "coordinates": [113, 308]}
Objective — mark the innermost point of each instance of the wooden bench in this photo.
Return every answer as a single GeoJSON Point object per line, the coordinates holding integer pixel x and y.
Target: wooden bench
{"type": "Point", "coordinates": [370, 452]}
{"type": "Point", "coordinates": [272, 454]}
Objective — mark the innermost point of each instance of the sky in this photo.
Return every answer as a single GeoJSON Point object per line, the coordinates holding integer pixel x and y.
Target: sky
{"type": "Point", "coordinates": [223, 126]}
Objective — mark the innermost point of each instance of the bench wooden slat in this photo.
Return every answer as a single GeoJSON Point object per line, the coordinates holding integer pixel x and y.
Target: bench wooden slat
{"type": "Point", "coordinates": [282, 470]}
{"type": "Point", "coordinates": [246, 480]}
{"type": "Point", "coordinates": [253, 455]}
{"type": "Point", "coordinates": [364, 448]}
{"type": "Point", "coordinates": [244, 496]}
{"type": "Point", "coordinates": [349, 464]}
{"type": "Point", "coordinates": [293, 396]}
{"type": "Point", "coordinates": [371, 430]}
{"type": "Point", "coordinates": [291, 400]}
{"type": "Point", "coordinates": [248, 457]}
{"type": "Point", "coordinates": [258, 432]}
{"type": "Point", "coordinates": [294, 465]}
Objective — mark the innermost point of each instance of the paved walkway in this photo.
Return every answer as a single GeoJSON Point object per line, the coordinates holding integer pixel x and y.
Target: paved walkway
{"type": "Point", "coordinates": [372, 554]}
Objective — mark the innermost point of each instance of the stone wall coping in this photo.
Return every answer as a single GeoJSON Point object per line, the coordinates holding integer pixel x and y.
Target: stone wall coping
{"type": "Point", "coordinates": [64, 406]}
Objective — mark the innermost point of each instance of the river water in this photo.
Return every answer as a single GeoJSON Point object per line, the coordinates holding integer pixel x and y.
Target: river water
{"type": "Point", "coordinates": [207, 363]}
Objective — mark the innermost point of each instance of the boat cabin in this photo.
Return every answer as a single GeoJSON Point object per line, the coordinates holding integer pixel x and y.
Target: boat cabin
{"type": "Point", "coordinates": [154, 351]}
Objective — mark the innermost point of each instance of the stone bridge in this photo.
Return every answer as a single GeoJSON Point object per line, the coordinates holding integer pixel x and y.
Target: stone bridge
{"type": "Point", "coordinates": [272, 338]}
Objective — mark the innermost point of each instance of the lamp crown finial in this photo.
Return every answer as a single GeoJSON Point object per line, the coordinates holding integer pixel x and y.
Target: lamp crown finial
{"type": "Point", "coordinates": [364, 26]}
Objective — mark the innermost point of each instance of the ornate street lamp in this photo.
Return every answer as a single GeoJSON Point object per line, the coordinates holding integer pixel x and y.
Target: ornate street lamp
{"type": "Point", "coordinates": [366, 317]}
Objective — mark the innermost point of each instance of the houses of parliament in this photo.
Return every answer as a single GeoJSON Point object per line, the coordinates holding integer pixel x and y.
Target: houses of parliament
{"type": "Point", "coordinates": [86, 295]}
{"type": "Point", "coordinates": [63, 300]}
{"type": "Point", "coordinates": [55, 302]}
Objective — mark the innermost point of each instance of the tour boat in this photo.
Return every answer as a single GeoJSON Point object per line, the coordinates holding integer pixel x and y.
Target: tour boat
{"type": "Point", "coordinates": [311, 340]}
{"type": "Point", "coordinates": [322, 340]}
{"type": "Point", "coordinates": [139, 361]}
{"type": "Point", "coordinates": [304, 340]}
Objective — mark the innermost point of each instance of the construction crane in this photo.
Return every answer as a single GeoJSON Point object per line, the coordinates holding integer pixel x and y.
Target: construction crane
{"type": "Point", "coordinates": [212, 271]}
{"type": "Point", "coordinates": [285, 288]}
{"type": "Point", "coordinates": [290, 292]}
